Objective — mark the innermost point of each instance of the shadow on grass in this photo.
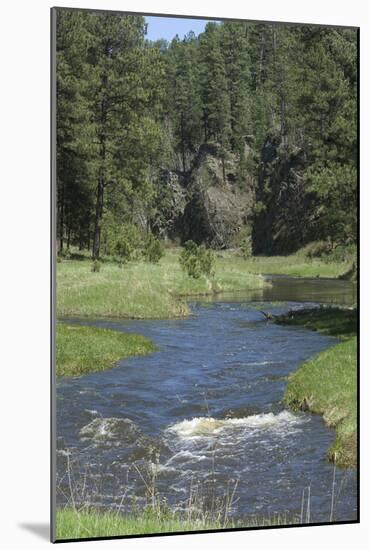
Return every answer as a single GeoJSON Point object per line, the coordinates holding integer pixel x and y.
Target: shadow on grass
{"type": "Point", "coordinates": [333, 321]}
{"type": "Point", "coordinates": [79, 257]}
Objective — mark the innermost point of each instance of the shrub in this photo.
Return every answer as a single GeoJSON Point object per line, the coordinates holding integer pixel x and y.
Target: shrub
{"type": "Point", "coordinates": [246, 243]}
{"type": "Point", "coordinates": [316, 249]}
{"type": "Point", "coordinates": [123, 249]}
{"type": "Point", "coordinates": [259, 208]}
{"type": "Point", "coordinates": [243, 242]}
{"type": "Point", "coordinates": [96, 266]}
{"type": "Point", "coordinates": [153, 250]}
{"type": "Point", "coordinates": [329, 252]}
{"type": "Point", "coordinates": [123, 241]}
{"type": "Point", "coordinates": [246, 248]}
{"type": "Point", "coordinates": [344, 253]}
{"type": "Point", "coordinates": [197, 260]}
{"type": "Point", "coordinates": [65, 253]}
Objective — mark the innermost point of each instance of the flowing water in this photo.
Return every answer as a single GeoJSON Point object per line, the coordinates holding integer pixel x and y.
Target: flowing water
{"type": "Point", "coordinates": [202, 416]}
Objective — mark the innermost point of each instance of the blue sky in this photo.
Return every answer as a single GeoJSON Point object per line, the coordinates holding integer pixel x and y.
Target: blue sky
{"type": "Point", "coordinates": [168, 27]}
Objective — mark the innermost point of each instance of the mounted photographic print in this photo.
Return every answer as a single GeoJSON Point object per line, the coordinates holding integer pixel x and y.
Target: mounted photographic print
{"type": "Point", "coordinates": [204, 333]}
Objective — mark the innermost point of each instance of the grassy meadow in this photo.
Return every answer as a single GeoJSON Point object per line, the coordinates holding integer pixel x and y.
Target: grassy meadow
{"type": "Point", "coordinates": [144, 290]}
{"type": "Point", "coordinates": [327, 383]}
{"type": "Point", "coordinates": [297, 265]}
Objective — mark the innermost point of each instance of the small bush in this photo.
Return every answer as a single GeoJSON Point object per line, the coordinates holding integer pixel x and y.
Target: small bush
{"type": "Point", "coordinates": [259, 208]}
{"type": "Point", "coordinates": [344, 253]}
{"type": "Point", "coordinates": [96, 266]}
{"type": "Point", "coordinates": [153, 250]}
{"type": "Point", "coordinates": [329, 252]}
{"type": "Point", "coordinates": [243, 241]}
{"type": "Point", "coordinates": [316, 249]}
{"type": "Point", "coordinates": [122, 241]}
{"type": "Point", "coordinates": [123, 249]}
{"type": "Point", "coordinates": [197, 260]}
{"type": "Point", "coordinates": [246, 248]}
{"type": "Point", "coordinates": [65, 253]}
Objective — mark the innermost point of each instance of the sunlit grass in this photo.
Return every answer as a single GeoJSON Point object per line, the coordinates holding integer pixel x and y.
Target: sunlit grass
{"type": "Point", "coordinates": [327, 383]}
{"type": "Point", "coordinates": [296, 265]}
{"type": "Point", "coordinates": [146, 290]}
{"type": "Point", "coordinates": [72, 524]}
{"type": "Point", "coordinates": [80, 350]}
{"type": "Point", "coordinates": [143, 290]}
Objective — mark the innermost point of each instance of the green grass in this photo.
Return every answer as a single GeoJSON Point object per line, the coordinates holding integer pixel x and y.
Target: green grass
{"type": "Point", "coordinates": [326, 384]}
{"type": "Point", "coordinates": [81, 350]}
{"type": "Point", "coordinates": [296, 265]}
{"type": "Point", "coordinates": [72, 524]}
{"type": "Point", "coordinates": [143, 290]}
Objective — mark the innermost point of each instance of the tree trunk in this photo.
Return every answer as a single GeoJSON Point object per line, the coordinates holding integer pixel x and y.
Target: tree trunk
{"type": "Point", "coordinates": [98, 218]}
{"type": "Point", "coordinates": [274, 41]}
{"type": "Point", "coordinates": [61, 218]}
{"type": "Point", "coordinates": [261, 59]}
{"type": "Point", "coordinates": [283, 121]}
{"type": "Point", "coordinates": [102, 157]}
{"type": "Point", "coordinates": [223, 169]}
{"type": "Point", "coordinates": [183, 145]}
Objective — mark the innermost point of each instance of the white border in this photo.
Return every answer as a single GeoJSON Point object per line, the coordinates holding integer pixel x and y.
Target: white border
{"type": "Point", "coordinates": [24, 268]}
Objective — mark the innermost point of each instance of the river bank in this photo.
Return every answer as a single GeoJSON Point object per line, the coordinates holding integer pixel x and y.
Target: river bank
{"type": "Point", "coordinates": [73, 524]}
{"type": "Point", "coordinates": [210, 397]}
{"type": "Point", "coordinates": [327, 383]}
{"type": "Point", "coordinates": [141, 290]}
{"type": "Point", "coordinates": [81, 350]}
{"type": "Point", "coordinates": [138, 290]}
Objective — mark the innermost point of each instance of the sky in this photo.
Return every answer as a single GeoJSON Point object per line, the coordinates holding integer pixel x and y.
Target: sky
{"type": "Point", "coordinates": [168, 27]}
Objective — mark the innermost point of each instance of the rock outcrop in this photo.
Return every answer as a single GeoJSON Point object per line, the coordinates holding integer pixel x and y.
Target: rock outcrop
{"type": "Point", "coordinates": [171, 202]}
{"type": "Point", "coordinates": [218, 212]}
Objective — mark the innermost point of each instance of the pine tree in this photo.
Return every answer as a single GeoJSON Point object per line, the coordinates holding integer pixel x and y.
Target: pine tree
{"type": "Point", "coordinates": [184, 97]}
{"type": "Point", "coordinates": [237, 65]}
{"type": "Point", "coordinates": [125, 85]}
{"type": "Point", "coordinates": [74, 199]}
{"type": "Point", "coordinates": [214, 88]}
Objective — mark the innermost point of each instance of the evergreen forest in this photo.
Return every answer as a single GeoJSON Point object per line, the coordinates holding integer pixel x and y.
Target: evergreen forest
{"type": "Point", "coordinates": [244, 137]}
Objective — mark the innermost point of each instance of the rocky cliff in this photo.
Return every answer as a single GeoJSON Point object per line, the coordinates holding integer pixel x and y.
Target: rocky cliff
{"type": "Point", "coordinates": [208, 204]}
